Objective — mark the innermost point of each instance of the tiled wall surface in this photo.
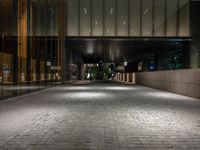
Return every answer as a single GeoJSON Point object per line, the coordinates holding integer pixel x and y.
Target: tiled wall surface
{"type": "Point", "coordinates": [185, 82]}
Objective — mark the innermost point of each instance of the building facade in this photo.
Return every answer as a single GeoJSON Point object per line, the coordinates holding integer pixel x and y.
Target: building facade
{"type": "Point", "coordinates": [33, 51]}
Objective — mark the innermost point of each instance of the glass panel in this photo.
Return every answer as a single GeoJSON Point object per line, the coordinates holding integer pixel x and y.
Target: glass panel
{"type": "Point", "coordinates": [73, 17]}
{"type": "Point", "coordinates": [184, 18]}
{"type": "Point", "coordinates": [135, 18]}
{"type": "Point", "coordinates": [159, 18]}
{"type": "Point", "coordinates": [172, 17]}
{"type": "Point", "coordinates": [97, 17]}
{"type": "Point", "coordinates": [85, 18]}
{"type": "Point", "coordinates": [147, 17]}
{"type": "Point", "coordinates": [52, 18]}
{"type": "Point", "coordinates": [122, 18]}
{"type": "Point", "coordinates": [110, 18]}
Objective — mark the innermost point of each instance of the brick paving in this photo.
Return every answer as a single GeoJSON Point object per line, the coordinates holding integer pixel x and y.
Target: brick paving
{"type": "Point", "coordinates": [100, 116]}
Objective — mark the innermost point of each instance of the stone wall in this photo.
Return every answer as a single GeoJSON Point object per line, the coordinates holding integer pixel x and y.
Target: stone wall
{"type": "Point", "coordinates": [185, 82]}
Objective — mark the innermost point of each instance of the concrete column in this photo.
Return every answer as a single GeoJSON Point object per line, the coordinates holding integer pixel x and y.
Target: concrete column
{"type": "Point", "coordinates": [61, 50]}
{"type": "Point", "coordinates": [127, 77]}
{"type": "Point", "coordinates": [82, 71]}
{"type": "Point", "coordinates": [133, 78]}
{"type": "Point", "coordinates": [38, 34]}
{"type": "Point", "coordinates": [68, 62]}
{"type": "Point", "coordinates": [28, 67]}
{"type": "Point", "coordinates": [15, 32]}
{"type": "Point", "coordinates": [38, 58]}
{"type": "Point", "coordinates": [195, 33]}
{"type": "Point", "coordinates": [124, 79]}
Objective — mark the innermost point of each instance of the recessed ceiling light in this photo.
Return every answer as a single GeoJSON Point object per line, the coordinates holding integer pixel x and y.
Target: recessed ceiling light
{"type": "Point", "coordinates": [124, 22]}
{"type": "Point", "coordinates": [85, 10]}
{"type": "Point", "coordinates": [111, 11]}
{"type": "Point", "coordinates": [146, 11]}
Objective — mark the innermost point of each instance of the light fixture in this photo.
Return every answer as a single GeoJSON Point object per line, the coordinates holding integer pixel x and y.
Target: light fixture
{"type": "Point", "coordinates": [85, 10]}
{"type": "Point", "coordinates": [96, 22]}
{"type": "Point", "coordinates": [111, 11]}
{"type": "Point", "coordinates": [125, 63]}
{"type": "Point", "coordinates": [124, 22]}
{"type": "Point", "coordinates": [146, 11]}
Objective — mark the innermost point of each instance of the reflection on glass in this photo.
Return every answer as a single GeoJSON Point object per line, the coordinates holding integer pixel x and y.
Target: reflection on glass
{"type": "Point", "coordinates": [23, 58]}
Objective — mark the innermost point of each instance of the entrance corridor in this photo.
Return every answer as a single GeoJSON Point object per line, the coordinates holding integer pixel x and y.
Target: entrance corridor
{"type": "Point", "coordinates": [98, 116]}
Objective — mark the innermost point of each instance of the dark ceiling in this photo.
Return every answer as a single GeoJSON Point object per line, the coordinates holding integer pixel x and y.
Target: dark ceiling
{"type": "Point", "coordinates": [121, 49]}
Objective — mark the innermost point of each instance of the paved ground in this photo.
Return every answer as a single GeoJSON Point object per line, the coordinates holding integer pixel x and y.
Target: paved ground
{"type": "Point", "coordinates": [100, 116]}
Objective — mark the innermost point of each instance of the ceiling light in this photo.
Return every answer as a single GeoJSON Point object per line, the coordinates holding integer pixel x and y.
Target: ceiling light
{"type": "Point", "coordinates": [111, 11]}
{"type": "Point", "coordinates": [124, 22]}
{"type": "Point", "coordinates": [85, 10]}
{"type": "Point", "coordinates": [146, 11]}
{"type": "Point", "coordinates": [96, 22]}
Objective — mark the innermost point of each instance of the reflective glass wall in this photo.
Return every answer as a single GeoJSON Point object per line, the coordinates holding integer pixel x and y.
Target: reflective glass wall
{"type": "Point", "coordinates": [28, 46]}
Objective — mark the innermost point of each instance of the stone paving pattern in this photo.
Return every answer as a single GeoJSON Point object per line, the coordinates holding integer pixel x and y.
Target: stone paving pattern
{"type": "Point", "coordinates": [100, 116]}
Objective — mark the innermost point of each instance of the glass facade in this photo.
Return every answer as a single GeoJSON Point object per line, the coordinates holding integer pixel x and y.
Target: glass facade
{"type": "Point", "coordinates": [28, 48]}
{"type": "Point", "coordinates": [30, 40]}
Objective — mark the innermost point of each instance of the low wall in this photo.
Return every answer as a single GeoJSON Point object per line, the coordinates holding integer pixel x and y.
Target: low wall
{"type": "Point", "coordinates": [126, 77]}
{"type": "Point", "coordinates": [185, 82]}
